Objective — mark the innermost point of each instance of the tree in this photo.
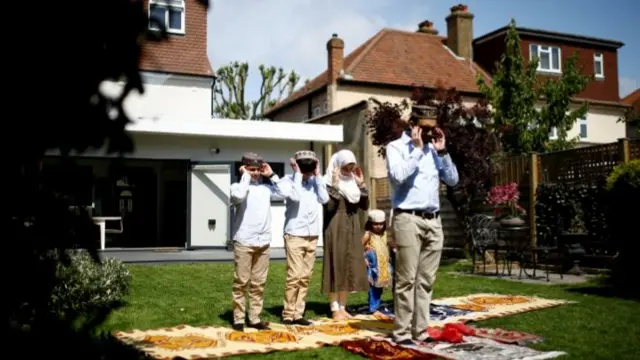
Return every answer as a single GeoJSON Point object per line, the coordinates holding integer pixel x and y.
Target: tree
{"type": "Point", "coordinates": [103, 42]}
{"type": "Point", "coordinates": [515, 91]}
{"type": "Point", "coordinates": [631, 117]}
{"type": "Point", "coordinates": [229, 91]}
{"type": "Point", "coordinates": [471, 139]}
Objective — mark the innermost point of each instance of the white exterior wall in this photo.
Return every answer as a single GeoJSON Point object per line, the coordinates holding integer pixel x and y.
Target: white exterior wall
{"type": "Point", "coordinates": [166, 96]}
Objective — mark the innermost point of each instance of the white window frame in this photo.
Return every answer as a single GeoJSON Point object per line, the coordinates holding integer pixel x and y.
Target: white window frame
{"type": "Point", "coordinates": [549, 51]}
{"type": "Point", "coordinates": [581, 122]}
{"type": "Point", "coordinates": [553, 134]}
{"type": "Point", "coordinates": [317, 111]}
{"type": "Point", "coordinates": [598, 58]}
{"type": "Point", "coordinates": [169, 4]}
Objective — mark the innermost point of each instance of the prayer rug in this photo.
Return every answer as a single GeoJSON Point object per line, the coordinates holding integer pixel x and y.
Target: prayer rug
{"type": "Point", "coordinates": [477, 307]}
{"type": "Point", "coordinates": [213, 342]}
{"type": "Point", "coordinates": [507, 337]}
{"type": "Point", "coordinates": [473, 348]}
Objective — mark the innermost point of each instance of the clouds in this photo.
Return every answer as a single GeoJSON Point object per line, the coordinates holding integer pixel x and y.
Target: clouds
{"type": "Point", "coordinates": [293, 33]}
{"type": "Point", "coordinates": [627, 85]}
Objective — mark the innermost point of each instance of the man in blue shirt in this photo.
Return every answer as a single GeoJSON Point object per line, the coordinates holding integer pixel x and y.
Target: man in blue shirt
{"type": "Point", "coordinates": [416, 162]}
{"type": "Point", "coordinates": [305, 192]}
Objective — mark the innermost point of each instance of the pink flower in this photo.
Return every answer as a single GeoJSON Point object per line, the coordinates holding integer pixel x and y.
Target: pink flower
{"type": "Point", "coordinates": [505, 197]}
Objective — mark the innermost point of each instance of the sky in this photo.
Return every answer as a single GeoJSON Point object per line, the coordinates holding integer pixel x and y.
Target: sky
{"type": "Point", "coordinates": [292, 34]}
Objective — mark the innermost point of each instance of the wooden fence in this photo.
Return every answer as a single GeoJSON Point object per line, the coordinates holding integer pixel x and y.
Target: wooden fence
{"type": "Point", "coordinates": [577, 166]}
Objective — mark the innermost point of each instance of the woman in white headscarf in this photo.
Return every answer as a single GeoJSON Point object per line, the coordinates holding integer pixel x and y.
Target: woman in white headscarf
{"type": "Point", "coordinates": [344, 268]}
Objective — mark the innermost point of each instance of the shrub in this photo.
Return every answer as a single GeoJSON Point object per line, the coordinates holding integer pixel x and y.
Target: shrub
{"type": "Point", "coordinates": [87, 286]}
{"type": "Point", "coordinates": [623, 187]}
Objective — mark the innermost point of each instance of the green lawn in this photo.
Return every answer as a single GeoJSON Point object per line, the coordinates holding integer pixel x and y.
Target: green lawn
{"type": "Point", "coordinates": [598, 327]}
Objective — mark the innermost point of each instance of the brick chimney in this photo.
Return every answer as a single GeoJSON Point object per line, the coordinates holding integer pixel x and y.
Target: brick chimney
{"type": "Point", "coordinates": [426, 27]}
{"type": "Point", "coordinates": [335, 58]}
{"type": "Point", "coordinates": [460, 31]}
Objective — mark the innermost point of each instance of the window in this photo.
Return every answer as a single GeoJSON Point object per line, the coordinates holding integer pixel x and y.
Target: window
{"type": "Point", "coordinates": [316, 111]}
{"type": "Point", "coordinates": [305, 117]}
{"type": "Point", "coordinates": [169, 13]}
{"type": "Point", "coordinates": [326, 107]}
{"type": "Point", "coordinates": [583, 128]}
{"type": "Point", "coordinates": [598, 65]}
{"type": "Point", "coordinates": [549, 57]}
{"type": "Point", "coordinates": [553, 134]}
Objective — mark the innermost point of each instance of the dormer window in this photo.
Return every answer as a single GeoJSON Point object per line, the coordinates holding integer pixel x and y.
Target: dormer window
{"type": "Point", "coordinates": [169, 13]}
{"type": "Point", "coordinates": [598, 65]}
{"type": "Point", "coordinates": [549, 58]}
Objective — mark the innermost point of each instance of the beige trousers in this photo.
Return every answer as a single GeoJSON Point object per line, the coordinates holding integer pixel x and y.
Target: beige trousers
{"type": "Point", "coordinates": [419, 248]}
{"type": "Point", "coordinates": [301, 256]}
{"type": "Point", "coordinates": [251, 270]}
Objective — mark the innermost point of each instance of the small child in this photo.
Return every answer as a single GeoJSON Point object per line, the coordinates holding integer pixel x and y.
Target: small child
{"type": "Point", "coordinates": [377, 259]}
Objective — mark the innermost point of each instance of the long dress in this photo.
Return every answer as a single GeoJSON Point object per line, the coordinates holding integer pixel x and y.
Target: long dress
{"type": "Point", "coordinates": [343, 267]}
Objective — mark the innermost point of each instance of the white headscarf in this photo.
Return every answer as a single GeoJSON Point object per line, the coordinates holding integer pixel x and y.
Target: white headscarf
{"type": "Point", "coordinates": [347, 185]}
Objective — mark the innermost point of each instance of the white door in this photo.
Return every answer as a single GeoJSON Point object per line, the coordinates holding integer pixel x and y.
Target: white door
{"type": "Point", "coordinates": [209, 224]}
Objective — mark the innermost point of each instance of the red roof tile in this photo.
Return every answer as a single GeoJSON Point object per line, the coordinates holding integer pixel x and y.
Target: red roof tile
{"type": "Point", "coordinates": [394, 57]}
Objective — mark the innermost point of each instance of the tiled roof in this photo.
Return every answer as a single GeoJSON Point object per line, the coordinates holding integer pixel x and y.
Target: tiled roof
{"type": "Point", "coordinates": [394, 57]}
{"type": "Point", "coordinates": [632, 98]}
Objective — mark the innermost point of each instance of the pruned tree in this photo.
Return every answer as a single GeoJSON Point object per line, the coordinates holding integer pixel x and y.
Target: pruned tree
{"type": "Point", "coordinates": [229, 93]}
{"type": "Point", "coordinates": [515, 92]}
{"type": "Point", "coordinates": [471, 139]}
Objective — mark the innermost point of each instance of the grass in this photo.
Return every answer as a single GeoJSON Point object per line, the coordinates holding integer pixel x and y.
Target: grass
{"type": "Point", "coordinates": [598, 327]}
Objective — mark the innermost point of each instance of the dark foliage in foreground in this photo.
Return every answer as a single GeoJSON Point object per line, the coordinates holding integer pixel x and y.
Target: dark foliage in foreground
{"type": "Point", "coordinates": [55, 105]}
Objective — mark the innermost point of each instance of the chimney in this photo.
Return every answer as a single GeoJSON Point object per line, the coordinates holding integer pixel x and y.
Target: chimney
{"type": "Point", "coordinates": [335, 57]}
{"type": "Point", "coordinates": [426, 27]}
{"type": "Point", "coordinates": [460, 31]}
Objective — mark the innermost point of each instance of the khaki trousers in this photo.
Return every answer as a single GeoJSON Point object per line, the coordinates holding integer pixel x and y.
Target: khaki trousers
{"type": "Point", "coordinates": [251, 270]}
{"type": "Point", "coordinates": [419, 242]}
{"type": "Point", "coordinates": [301, 256]}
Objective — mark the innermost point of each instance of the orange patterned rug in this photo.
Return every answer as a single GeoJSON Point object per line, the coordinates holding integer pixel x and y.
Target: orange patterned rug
{"type": "Point", "coordinates": [479, 307]}
{"type": "Point", "coordinates": [212, 342]}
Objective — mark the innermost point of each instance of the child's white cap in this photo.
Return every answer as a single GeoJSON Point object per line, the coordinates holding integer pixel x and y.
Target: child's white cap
{"type": "Point", "coordinates": [376, 216]}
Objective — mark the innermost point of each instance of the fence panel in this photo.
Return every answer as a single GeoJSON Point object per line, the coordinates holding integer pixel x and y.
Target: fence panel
{"type": "Point", "coordinates": [584, 165]}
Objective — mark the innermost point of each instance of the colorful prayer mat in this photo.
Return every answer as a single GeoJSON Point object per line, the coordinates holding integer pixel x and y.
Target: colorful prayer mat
{"type": "Point", "coordinates": [478, 307]}
{"type": "Point", "coordinates": [507, 336]}
{"type": "Point", "coordinates": [212, 342]}
{"type": "Point", "coordinates": [473, 348]}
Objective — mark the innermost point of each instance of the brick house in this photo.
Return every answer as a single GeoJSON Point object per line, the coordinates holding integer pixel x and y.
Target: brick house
{"type": "Point", "coordinates": [597, 57]}
{"type": "Point", "coordinates": [390, 63]}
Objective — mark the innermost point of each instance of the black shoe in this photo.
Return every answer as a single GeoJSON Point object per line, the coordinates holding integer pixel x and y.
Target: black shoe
{"type": "Point", "coordinates": [287, 322]}
{"type": "Point", "coordinates": [405, 342]}
{"type": "Point", "coordinates": [302, 322]}
{"type": "Point", "coordinates": [238, 327]}
{"type": "Point", "coordinates": [259, 326]}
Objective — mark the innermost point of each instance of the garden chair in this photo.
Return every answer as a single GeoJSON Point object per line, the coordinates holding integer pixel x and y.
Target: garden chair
{"type": "Point", "coordinates": [483, 233]}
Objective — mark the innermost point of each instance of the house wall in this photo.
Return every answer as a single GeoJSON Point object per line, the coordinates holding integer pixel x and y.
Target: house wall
{"type": "Point", "coordinates": [602, 125]}
{"type": "Point", "coordinates": [166, 96]}
{"type": "Point", "coordinates": [606, 89]}
{"type": "Point", "coordinates": [167, 147]}
{"type": "Point", "coordinates": [314, 106]}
